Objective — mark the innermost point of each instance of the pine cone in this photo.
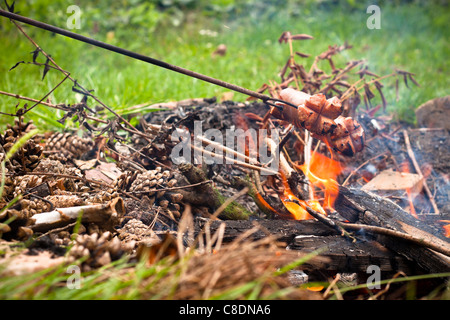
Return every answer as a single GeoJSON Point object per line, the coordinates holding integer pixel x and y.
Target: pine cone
{"type": "Point", "coordinates": [100, 250]}
{"type": "Point", "coordinates": [135, 232]}
{"type": "Point", "coordinates": [157, 179]}
{"type": "Point", "coordinates": [8, 192]}
{"type": "Point", "coordinates": [102, 196]}
{"type": "Point", "coordinates": [69, 145]}
{"type": "Point", "coordinates": [147, 184]}
{"type": "Point", "coordinates": [152, 179]}
{"type": "Point", "coordinates": [65, 200]}
{"type": "Point", "coordinates": [24, 183]}
{"type": "Point", "coordinates": [28, 156]}
{"type": "Point", "coordinates": [125, 180]}
{"type": "Point", "coordinates": [50, 166]}
{"type": "Point", "coordinates": [33, 206]}
{"type": "Point", "coordinates": [62, 183]}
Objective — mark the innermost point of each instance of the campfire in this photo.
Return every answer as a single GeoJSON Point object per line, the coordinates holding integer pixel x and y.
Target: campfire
{"type": "Point", "coordinates": [313, 167]}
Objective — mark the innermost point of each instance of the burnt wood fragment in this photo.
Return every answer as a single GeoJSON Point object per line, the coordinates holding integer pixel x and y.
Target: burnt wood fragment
{"type": "Point", "coordinates": [282, 230]}
{"type": "Point", "coordinates": [309, 235]}
{"type": "Point", "coordinates": [347, 256]}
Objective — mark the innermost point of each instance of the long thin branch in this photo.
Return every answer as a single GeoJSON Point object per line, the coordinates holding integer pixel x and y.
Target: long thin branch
{"type": "Point", "coordinates": [242, 156]}
{"type": "Point", "coordinates": [419, 171]}
{"type": "Point", "coordinates": [329, 222]}
{"type": "Point", "coordinates": [68, 176]}
{"type": "Point", "coordinates": [175, 188]}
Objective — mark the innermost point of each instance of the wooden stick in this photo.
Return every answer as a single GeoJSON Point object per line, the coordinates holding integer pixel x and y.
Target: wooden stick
{"type": "Point", "coordinates": [175, 188]}
{"type": "Point", "coordinates": [107, 215]}
{"type": "Point", "coordinates": [419, 171]}
{"type": "Point", "coordinates": [284, 165]}
{"type": "Point", "coordinates": [68, 176]}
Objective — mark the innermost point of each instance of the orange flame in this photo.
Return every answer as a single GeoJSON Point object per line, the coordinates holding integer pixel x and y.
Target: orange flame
{"type": "Point", "coordinates": [322, 174]}
{"type": "Point", "coordinates": [446, 228]}
{"type": "Point", "coordinates": [293, 204]}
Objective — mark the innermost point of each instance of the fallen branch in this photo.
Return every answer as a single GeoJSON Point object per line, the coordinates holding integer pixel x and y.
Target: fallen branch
{"type": "Point", "coordinates": [228, 150]}
{"type": "Point", "coordinates": [236, 162]}
{"type": "Point", "coordinates": [68, 176]}
{"type": "Point", "coordinates": [106, 215]}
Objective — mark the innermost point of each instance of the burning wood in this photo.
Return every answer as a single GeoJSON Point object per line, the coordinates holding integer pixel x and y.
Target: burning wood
{"type": "Point", "coordinates": [366, 208]}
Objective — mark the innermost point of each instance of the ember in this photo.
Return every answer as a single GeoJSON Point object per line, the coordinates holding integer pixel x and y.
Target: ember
{"type": "Point", "coordinates": [446, 228]}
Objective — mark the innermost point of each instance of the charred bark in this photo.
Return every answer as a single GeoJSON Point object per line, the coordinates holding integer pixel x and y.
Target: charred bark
{"type": "Point", "coordinates": [369, 209]}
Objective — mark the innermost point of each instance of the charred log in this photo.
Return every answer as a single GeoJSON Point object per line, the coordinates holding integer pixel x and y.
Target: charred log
{"type": "Point", "coordinates": [370, 209]}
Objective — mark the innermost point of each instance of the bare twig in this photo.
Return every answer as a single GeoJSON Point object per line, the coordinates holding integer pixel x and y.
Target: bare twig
{"type": "Point", "coordinates": [362, 165]}
{"type": "Point", "coordinates": [330, 222]}
{"type": "Point", "coordinates": [85, 91]}
{"type": "Point", "coordinates": [68, 176]}
{"type": "Point", "coordinates": [419, 171]}
{"type": "Point", "coordinates": [242, 157]}
{"type": "Point", "coordinates": [55, 106]}
{"type": "Point", "coordinates": [335, 288]}
{"type": "Point", "coordinates": [176, 188]}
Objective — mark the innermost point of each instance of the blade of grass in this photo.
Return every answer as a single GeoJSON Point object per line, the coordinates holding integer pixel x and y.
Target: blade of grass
{"type": "Point", "coordinates": [403, 279]}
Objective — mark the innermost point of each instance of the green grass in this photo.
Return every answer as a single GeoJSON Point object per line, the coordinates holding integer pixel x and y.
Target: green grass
{"type": "Point", "coordinates": [124, 280]}
{"type": "Point", "coordinates": [412, 37]}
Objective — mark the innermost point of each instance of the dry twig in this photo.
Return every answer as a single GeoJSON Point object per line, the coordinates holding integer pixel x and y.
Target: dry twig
{"type": "Point", "coordinates": [419, 171]}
